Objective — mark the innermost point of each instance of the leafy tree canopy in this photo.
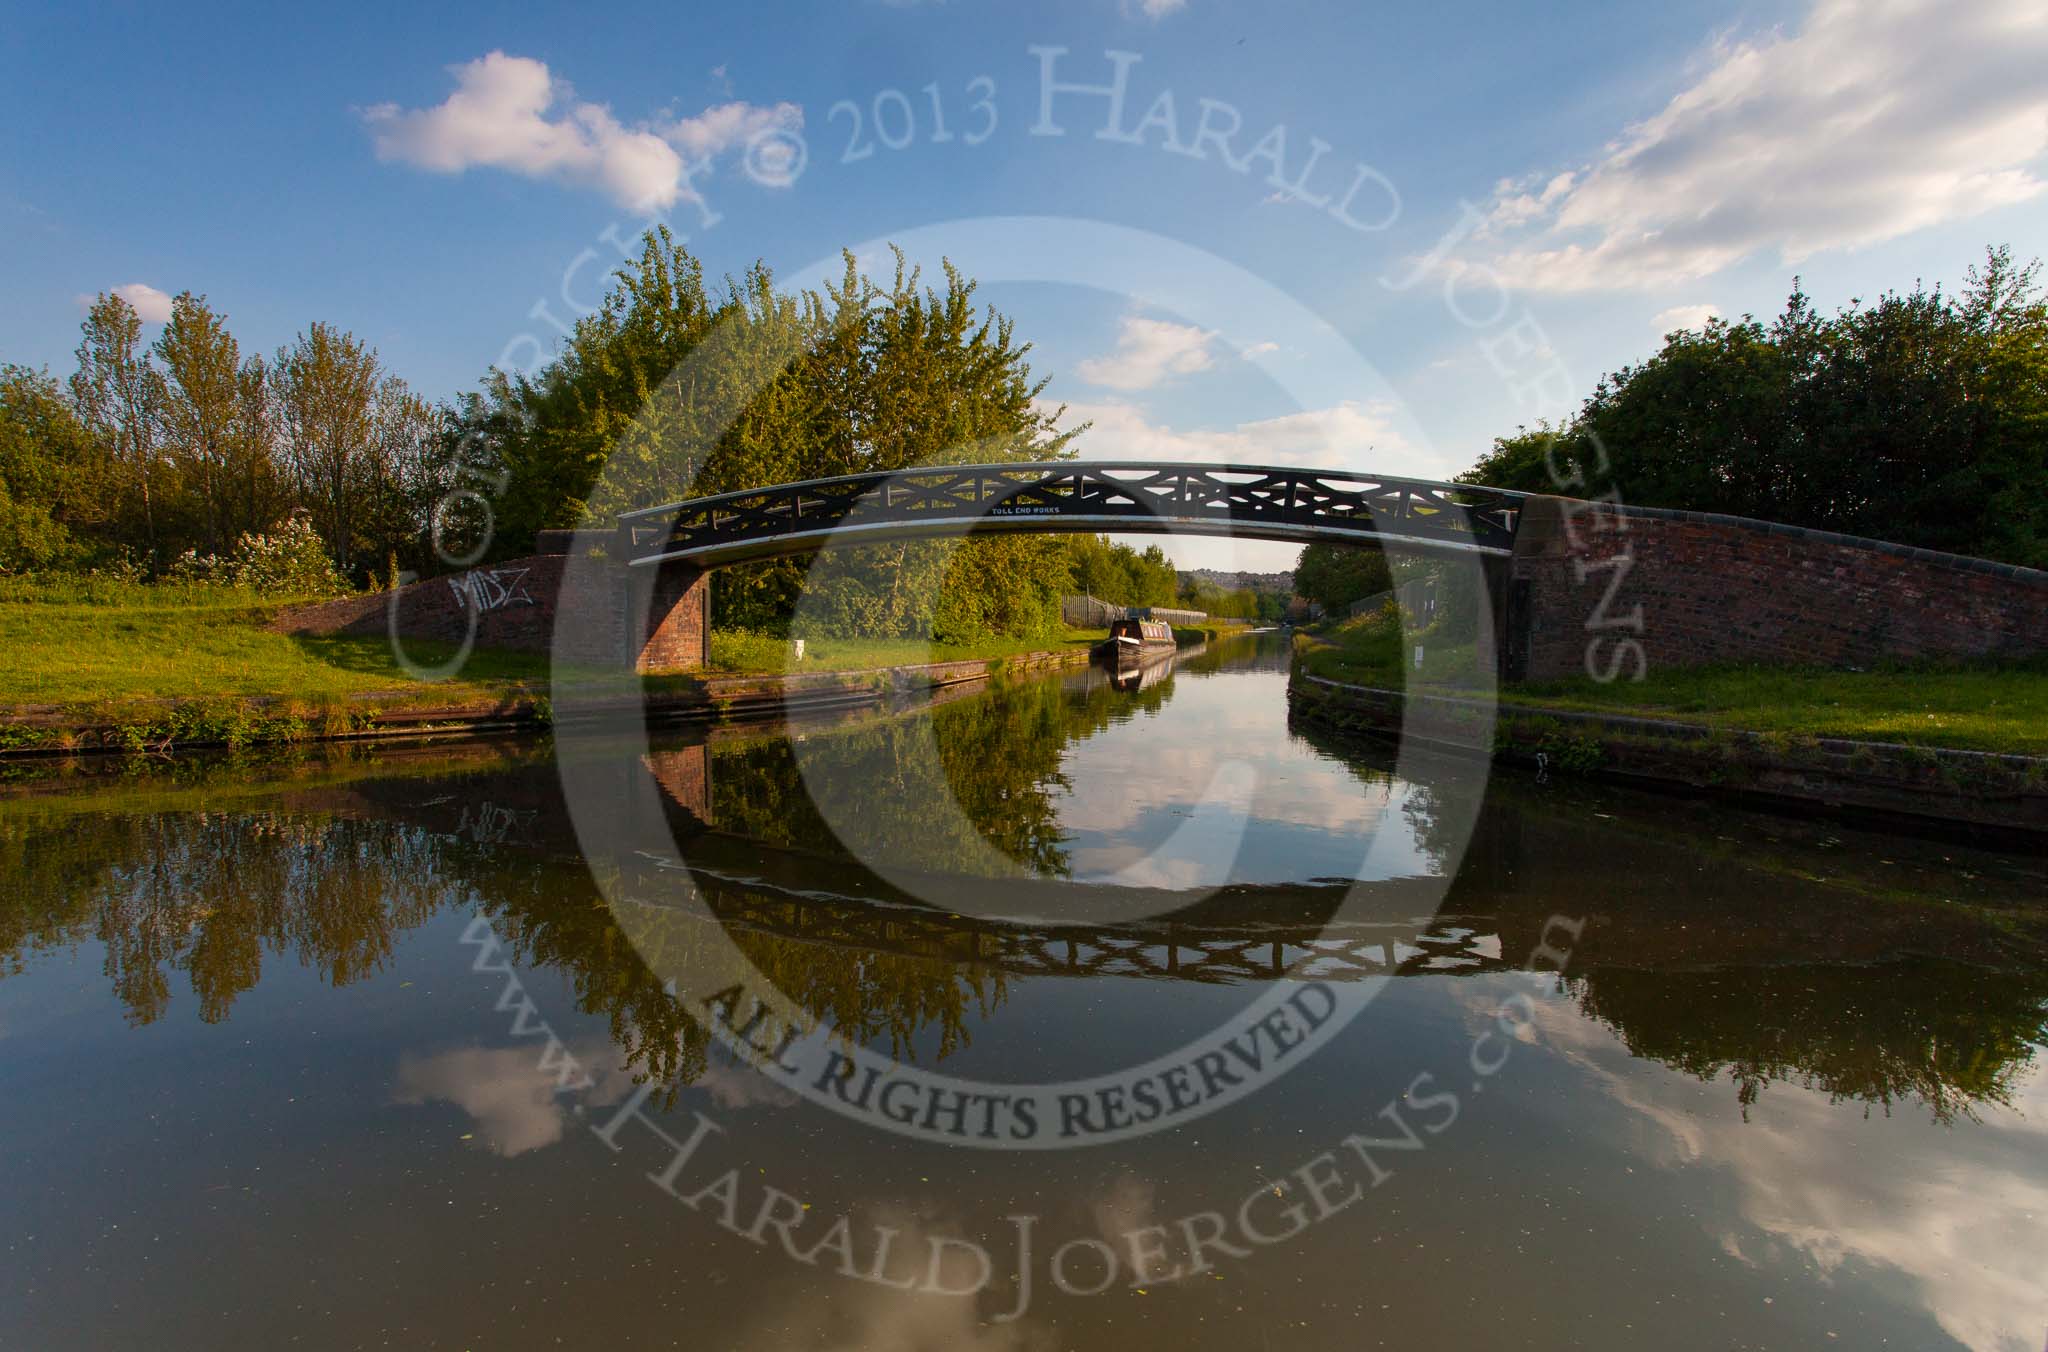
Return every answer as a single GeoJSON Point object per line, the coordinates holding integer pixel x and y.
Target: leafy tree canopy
{"type": "Point", "coordinates": [1335, 575]}
{"type": "Point", "coordinates": [674, 389]}
{"type": "Point", "coordinates": [1921, 418]}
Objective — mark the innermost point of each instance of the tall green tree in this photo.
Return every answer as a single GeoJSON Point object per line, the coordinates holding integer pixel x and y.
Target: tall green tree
{"type": "Point", "coordinates": [1113, 571]}
{"type": "Point", "coordinates": [215, 425]}
{"type": "Point", "coordinates": [117, 393]}
{"type": "Point", "coordinates": [366, 456]}
{"type": "Point", "coordinates": [410, 471]}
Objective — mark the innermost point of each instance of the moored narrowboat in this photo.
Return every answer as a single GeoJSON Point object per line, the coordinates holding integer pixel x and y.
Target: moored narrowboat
{"type": "Point", "coordinates": [1128, 637]}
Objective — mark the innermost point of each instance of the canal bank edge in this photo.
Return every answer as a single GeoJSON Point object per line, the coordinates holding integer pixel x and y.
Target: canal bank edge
{"type": "Point", "coordinates": [28, 731]}
{"type": "Point", "coordinates": [1976, 789]}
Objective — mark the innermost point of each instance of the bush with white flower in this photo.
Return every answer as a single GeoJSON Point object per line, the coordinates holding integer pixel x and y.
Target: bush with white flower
{"type": "Point", "coordinates": [290, 560]}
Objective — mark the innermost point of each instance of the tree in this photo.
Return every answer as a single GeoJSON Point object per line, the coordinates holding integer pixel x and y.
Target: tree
{"type": "Point", "coordinates": [1334, 575]}
{"type": "Point", "coordinates": [1921, 418]}
{"type": "Point", "coordinates": [117, 392]}
{"type": "Point", "coordinates": [49, 476]}
{"type": "Point", "coordinates": [367, 457]}
{"type": "Point", "coordinates": [325, 385]}
{"type": "Point", "coordinates": [215, 425]}
{"type": "Point", "coordinates": [673, 389]}
{"type": "Point", "coordinates": [409, 471]}
{"type": "Point", "coordinates": [1116, 573]}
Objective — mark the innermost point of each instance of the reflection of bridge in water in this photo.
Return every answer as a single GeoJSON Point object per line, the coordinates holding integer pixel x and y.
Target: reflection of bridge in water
{"type": "Point", "coordinates": [1178, 949]}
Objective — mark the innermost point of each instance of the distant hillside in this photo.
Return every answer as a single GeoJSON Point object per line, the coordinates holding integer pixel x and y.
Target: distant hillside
{"type": "Point", "coordinates": [1279, 584]}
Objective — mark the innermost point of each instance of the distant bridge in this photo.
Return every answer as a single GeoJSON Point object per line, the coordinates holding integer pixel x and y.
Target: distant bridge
{"type": "Point", "coordinates": [1133, 497]}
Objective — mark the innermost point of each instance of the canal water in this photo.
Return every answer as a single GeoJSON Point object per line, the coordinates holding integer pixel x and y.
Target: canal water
{"type": "Point", "coordinates": [1146, 1018]}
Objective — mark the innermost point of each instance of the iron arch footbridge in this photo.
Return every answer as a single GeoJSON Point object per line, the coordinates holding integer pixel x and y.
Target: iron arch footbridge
{"type": "Point", "coordinates": [1075, 496]}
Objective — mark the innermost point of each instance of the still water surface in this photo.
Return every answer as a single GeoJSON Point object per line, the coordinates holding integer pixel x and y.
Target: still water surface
{"type": "Point", "coordinates": [352, 1052]}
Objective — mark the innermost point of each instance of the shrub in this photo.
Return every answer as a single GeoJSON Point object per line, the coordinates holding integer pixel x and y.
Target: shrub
{"type": "Point", "coordinates": [292, 560]}
{"type": "Point", "coordinates": [745, 650]}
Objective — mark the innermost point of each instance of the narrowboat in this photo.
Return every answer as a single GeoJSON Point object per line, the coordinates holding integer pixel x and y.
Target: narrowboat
{"type": "Point", "coordinates": [1130, 637]}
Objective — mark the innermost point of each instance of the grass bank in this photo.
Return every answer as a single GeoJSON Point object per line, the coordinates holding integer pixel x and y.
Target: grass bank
{"type": "Point", "coordinates": [82, 647]}
{"type": "Point", "coordinates": [2001, 708]}
{"type": "Point", "coordinates": [165, 664]}
{"type": "Point", "coordinates": [742, 652]}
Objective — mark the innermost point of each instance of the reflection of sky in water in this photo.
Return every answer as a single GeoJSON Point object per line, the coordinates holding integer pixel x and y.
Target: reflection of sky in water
{"type": "Point", "coordinates": [1791, 1219]}
{"type": "Point", "coordinates": [1211, 789]}
{"type": "Point", "coordinates": [1953, 1218]}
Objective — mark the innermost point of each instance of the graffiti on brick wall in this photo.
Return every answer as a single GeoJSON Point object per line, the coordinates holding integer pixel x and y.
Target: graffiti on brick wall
{"type": "Point", "coordinates": [489, 589]}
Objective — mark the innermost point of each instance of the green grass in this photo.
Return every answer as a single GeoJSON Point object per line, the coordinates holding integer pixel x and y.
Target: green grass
{"type": "Point", "coordinates": [741, 651]}
{"type": "Point", "coordinates": [2001, 708]}
{"type": "Point", "coordinates": [1975, 708]}
{"type": "Point", "coordinates": [205, 642]}
{"type": "Point", "coordinates": [1372, 650]}
{"type": "Point", "coordinates": [112, 650]}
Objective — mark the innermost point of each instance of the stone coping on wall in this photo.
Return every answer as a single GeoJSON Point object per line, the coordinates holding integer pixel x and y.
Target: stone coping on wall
{"type": "Point", "coordinates": [1950, 785]}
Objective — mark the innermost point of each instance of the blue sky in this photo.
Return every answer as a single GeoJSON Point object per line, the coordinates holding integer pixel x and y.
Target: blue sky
{"type": "Point", "coordinates": [1539, 190]}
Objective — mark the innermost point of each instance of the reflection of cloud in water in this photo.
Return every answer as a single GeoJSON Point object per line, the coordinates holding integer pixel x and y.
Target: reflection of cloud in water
{"type": "Point", "coordinates": [828, 1311]}
{"type": "Point", "coordinates": [734, 1086]}
{"type": "Point", "coordinates": [1200, 848]}
{"type": "Point", "coordinates": [1243, 801]}
{"type": "Point", "coordinates": [1959, 1212]}
{"type": "Point", "coordinates": [513, 1101]}
{"type": "Point", "coordinates": [1127, 1207]}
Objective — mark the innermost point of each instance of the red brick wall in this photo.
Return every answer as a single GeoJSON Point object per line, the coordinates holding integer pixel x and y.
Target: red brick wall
{"type": "Point", "coordinates": [671, 618]}
{"type": "Point", "coordinates": [1593, 590]}
{"type": "Point", "coordinates": [517, 603]}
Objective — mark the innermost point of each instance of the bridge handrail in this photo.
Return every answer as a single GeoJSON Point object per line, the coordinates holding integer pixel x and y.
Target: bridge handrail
{"type": "Point", "coordinates": [1389, 480]}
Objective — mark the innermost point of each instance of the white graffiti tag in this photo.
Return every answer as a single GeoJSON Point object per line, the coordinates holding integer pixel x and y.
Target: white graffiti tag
{"type": "Point", "coordinates": [490, 589]}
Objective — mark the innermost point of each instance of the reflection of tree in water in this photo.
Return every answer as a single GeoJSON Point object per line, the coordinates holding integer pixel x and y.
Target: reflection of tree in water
{"type": "Point", "coordinates": [865, 991]}
{"type": "Point", "coordinates": [998, 757]}
{"type": "Point", "coordinates": [1948, 1036]}
{"type": "Point", "coordinates": [215, 894]}
{"type": "Point", "coordinates": [1712, 947]}
{"type": "Point", "coordinates": [1270, 651]}
{"type": "Point", "coordinates": [209, 893]}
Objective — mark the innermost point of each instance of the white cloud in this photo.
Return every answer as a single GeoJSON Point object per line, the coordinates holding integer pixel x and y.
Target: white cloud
{"type": "Point", "coordinates": [1147, 352]}
{"type": "Point", "coordinates": [1349, 435]}
{"type": "Point", "coordinates": [511, 113]}
{"type": "Point", "coordinates": [1159, 9]}
{"type": "Point", "coordinates": [721, 128]}
{"type": "Point", "coordinates": [1874, 120]}
{"type": "Point", "coordinates": [1259, 350]}
{"type": "Point", "coordinates": [151, 305]}
{"type": "Point", "coordinates": [1683, 317]}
